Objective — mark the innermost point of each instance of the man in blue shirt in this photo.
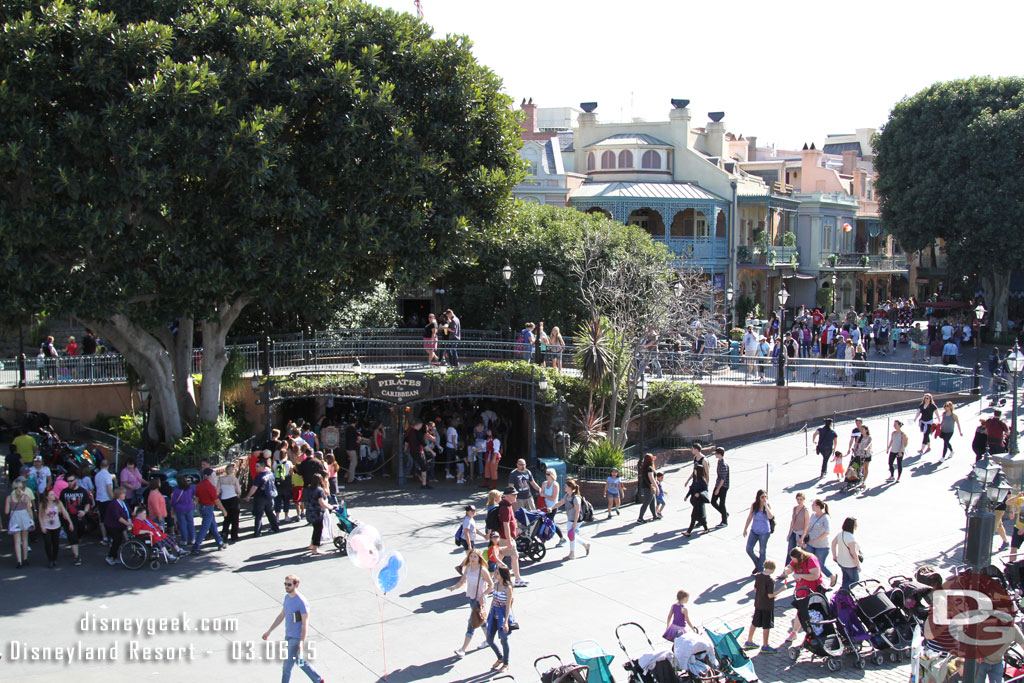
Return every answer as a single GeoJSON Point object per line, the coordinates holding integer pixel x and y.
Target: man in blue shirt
{"type": "Point", "coordinates": [295, 615]}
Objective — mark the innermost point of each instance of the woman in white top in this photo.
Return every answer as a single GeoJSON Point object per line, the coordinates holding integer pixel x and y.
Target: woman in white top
{"type": "Point", "coordinates": [230, 490]}
{"type": "Point", "coordinates": [846, 553]}
{"type": "Point", "coordinates": [549, 499]}
{"type": "Point", "coordinates": [574, 514]}
{"type": "Point", "coordinates": [478, 585]}
{"type": "Point", "coordinates": [863, 450]}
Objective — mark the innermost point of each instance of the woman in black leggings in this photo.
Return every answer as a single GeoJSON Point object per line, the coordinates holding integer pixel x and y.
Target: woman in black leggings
{"type": "Point", "coordinates": [645, 486]}
{"type": "Point", "coordinates": [897, 447]}
{"type": "Point", "coordinates": [949, 422]}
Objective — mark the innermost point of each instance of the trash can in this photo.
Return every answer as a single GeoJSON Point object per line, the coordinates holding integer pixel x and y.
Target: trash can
{"type": "Point", "coordinates": [558, 466]}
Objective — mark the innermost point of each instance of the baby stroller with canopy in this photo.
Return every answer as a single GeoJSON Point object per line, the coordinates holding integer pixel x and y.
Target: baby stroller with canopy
{"type": "Point", "coordinates": [345, 527]}
{"type": "Point", "coordinates": [885, 623]}
{"type": "Point", "coordinates": [590, 654]}
{"type": "Point", "coordinates": [824, 637]}
{"type": "Point", "coordinates": [561, 673]}
{"type": "Point", "coordinates": [852, 629]}
{"type": "Point", "coordinates": [649, 667]}
{"type": "Point", "coordinates": [735, 664]}
{"type": "Point", "coordinates": [695, 658]}
{"type": "Point", "coordinates": [536, 528]}
{"type": "Point", "coordinates": [911, 598]}
{"type": "Point", "coordinates": [854, 475]}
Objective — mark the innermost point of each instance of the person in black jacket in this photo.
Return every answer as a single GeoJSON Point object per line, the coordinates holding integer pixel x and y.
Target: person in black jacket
{"type": "Point", "coordinates": [698, 496]}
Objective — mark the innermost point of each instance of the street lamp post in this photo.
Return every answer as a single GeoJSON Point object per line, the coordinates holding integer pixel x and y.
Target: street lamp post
{"type": "Point", "coordinates": [783, 296]}
{"type": "Point", "coordinates": [979, 314]}
{"type": "Point", "coordinates": [262, 389]}
{"type": "Point", "coordinates": [641, 396]}
{"type": "Point", "coordinates": [1015, 363]}
{"type": "Point", "coordinates": [835, 279]}
{"type": "Point", "coordinates": [729, 294]}
{"type": "Point", "coordinates": [506, 277]}
{"type": "Point", "coordinates": [541, 384]}
{"type": "Point", "coordinates": [984, 488]}
{"type": "Point", "coordinates": [538, 282]}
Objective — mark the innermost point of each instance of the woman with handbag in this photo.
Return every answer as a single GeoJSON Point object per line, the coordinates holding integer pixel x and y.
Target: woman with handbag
{"type": "Point", "coordinates": [646, 484]}
{"type": "Point", "coordinates": [760, 523]}
{"type": "Point", "coordinates": [846, 553]}
{"type": "Point", "coordinates": [478, 584]}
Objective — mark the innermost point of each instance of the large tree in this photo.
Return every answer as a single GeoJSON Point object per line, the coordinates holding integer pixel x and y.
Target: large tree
{"type": "Point", "coordinates": [948, 162]}
{"type": "Point", "coordinates": [165, 164]}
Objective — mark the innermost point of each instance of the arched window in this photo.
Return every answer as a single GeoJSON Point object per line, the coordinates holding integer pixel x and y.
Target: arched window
{"type": "Point", "coordinates": [625, 159]}
{"type": "Point", "coordinates": [590, 161]}
{"type": "Point", "coordinates": [608, 160]}
{"type": "Point", "coordinates": [650, 159]}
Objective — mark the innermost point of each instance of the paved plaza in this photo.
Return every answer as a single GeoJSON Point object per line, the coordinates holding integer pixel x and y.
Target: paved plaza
{"type": "Point", "coordinates": [632, 574]}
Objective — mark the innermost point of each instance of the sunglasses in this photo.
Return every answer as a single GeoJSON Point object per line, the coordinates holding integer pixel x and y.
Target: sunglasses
{"type": "Point", "coordinates": [288, 584]}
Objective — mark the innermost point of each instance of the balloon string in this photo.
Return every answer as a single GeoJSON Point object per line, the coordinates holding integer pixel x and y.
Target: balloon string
{"type": "Point", "coordinates": [383, 647]}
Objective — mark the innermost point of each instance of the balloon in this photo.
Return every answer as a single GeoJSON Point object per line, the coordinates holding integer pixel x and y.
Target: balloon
{"type": "Point", "coordinates": [365, 546]}
{"type": "Point", "coordinates": [390, 571]}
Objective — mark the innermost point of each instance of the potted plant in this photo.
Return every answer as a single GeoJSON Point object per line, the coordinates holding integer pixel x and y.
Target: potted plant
{"type": "Point", "coordinates": [833, 259]}
{"type": "Point", "coordinates": [743, 254]}
{"type": "Point", "coordinates": [864, 260]}
{"type": "Point", "coordinates": [761, 239]}
{"type": "Point", "coordinates": [789, 239]}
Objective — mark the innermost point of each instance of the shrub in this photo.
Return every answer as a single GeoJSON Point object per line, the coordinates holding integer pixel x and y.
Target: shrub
{"type": "Point", "coordinates": [603, 454]}
{"type": "Point", "coordinates": [207, 439]}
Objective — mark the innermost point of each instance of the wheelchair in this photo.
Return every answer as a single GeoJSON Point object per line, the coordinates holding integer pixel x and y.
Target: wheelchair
{"type": "Point", "coordinates": [136, 552]}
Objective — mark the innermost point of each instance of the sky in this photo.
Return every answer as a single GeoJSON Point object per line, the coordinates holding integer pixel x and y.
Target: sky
{"type": "Point", "coordinates": [788, 72]}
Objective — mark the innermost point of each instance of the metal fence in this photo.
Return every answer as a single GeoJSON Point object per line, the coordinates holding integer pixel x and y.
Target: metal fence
{"type": "Point", "coordinates": [343, 350]}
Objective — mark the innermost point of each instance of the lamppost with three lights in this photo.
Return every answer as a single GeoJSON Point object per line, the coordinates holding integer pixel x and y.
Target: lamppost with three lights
{"type": "Point", "coordinates": [984, 488]}
{"type": "Point", "coordinates": [540, 384]}
{"type": "Point", "coordinates": [783, 297]}
{"type": "Point", "coordinates": [538, 282]}
{"type": "Point", "coordinates": [506, 277]}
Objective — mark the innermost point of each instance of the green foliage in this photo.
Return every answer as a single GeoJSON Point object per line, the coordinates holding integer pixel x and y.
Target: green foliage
{"type": "Point", "coordinates": [744, 305]}
{"type": "Point", "coordinates": [761, 239]}
{"type": "Point", "coordinates": [669, 403]}
{"type": "Point", "coordinates": [375, 308]}
{"type": "Point", "coordinates": [789, 239]}
{"type": "Point", "coordinates": [743, 253]}
{"type": "Point", "coordinates": [527, 235]}
{"type": "Point", "coordinates": [127, 427]}
{"type": "Point", "coordinates": [945, 159]}
{"type": "Point", "coordinates": [736, 333]}
{"type": "Point", "coordinates": [595, 454]}
{"type": "Point", "coordinates": [824, 298]}
{"type": "Point", "coordinates": [206, 439]}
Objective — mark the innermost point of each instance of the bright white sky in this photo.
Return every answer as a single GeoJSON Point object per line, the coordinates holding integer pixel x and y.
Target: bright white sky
{"type": "Point", "coordinates": [788, 72]}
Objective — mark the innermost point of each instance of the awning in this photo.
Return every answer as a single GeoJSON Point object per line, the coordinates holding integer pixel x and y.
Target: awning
{"type": "Point", "coordinates": [943, 305]}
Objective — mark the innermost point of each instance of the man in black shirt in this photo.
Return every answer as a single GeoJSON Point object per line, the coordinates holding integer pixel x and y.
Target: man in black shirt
{"type": "Point", "coordinates": [88, 343]}
{"type": "Point", "coordinates": [351, 449]}
{"type": "Point", "coordinates": [308, 469]}
{"type": "Point", "coordinates": [718, 496]}
{"type": "Point", "coordinates": [77, 501]}
{"type": "Point", "coordinates": [414, 446]}
{"type": "Point", "coordinates": [825, 440]}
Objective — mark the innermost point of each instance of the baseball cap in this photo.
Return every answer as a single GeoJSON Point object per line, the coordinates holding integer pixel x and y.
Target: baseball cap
{"type": "Point", "coordinates": [509, 491]}
{"type": "Point", "coordinates": [38, 457]}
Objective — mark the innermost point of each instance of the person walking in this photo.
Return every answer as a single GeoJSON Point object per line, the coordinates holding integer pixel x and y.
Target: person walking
{"type": "Point", "coordinates": [897, 449]}
{"type": "Point", "coordinates": [104, 482]}
{"type": "Point", "coordinates": [453, 326]}
{"type": "Point", "coordinates": [946, 426]}
{"type": "Point", "coordinates": [117, 521]}
{"type": "Point", "coordinates": [76, 503]}
{"type": "Point", "coordinates": [499, 618]}
{"type": "Point", "coordinates": [798, 524]}
{"type": "Point", "coordinates": [507, 531]}
{"type": "Point", "coordinates": [492, 458]}
{"type": "Point", "coordinates": [817, 539]}
{"type": "Point", "coordinates": [295, 615]}
{"type": "Point", "coordinates": [646, 485]}
{"type": "Point", "coordinates": [846, 553]}
{"type": "Point", "coordinates": [430, 339]}
{"type": "Point", "coordinates": [206, 494]}
{"type": "Point", "coordinates": [51, 513]}
{"type": "Point", "coordinates": [824, 442]}
{"type": "Point", "coordinates": [574, 517]}
{"type": "Point", "coordinates": [699, 461]}
{"type": "Point", "coordinates": [718, 496]}
{"type": "Point", "coordinates": [230, 492]}
{"type": "Point", "coordinates": [925, 417]}
{"type": "Point", "coordinates": [549, 499]}
{"type": "Point", "coordinates": [283, 484]}
{"type": "Point", "coordinates": [317, 508]}
{"type": "Point", "coordinates": [863, 451]}
{"type": "Point", "coordinates": [477, 579]}
{"type": "Point", "coordinates": [522, 479]}
{"type": "Point", "coordinates": [556, 346]}
{"type": "Point", "coordinates": [698, 497]}
{"type": "Point", "coordinates": [760, 528]}
{"type": "Point", "coordinates": [183, 508]}
{"type": "Point", "coordinates": [262, 493]}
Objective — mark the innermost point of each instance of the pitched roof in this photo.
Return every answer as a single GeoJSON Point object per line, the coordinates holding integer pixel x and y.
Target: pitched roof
{"type": "Point", "coordinates": [840, 147]}
{"type": "Point", "coordinates": [624, 139]}
{"type": "Point", "coordinates": [623, 190]}
{"type": "Point", "coordinates": [565, 140]}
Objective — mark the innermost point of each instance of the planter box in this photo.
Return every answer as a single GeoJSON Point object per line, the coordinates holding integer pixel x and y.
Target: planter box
{"type": "Point", "coordinates": [593, 490]}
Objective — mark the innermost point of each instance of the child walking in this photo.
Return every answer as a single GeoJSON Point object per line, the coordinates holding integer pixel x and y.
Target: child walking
{"type": "Point", "coordinates": [467, 529]}
{"type": "Point", "coordinates": [659, 495]}
{"type": "Point", "coordinates": [677, 617]}
{"type": "Point", "coordinates": [837, 466]}
{"type": "Point", "coordinates": [764, 607]}
{"type": "Point", "coordinates": [613, 492]}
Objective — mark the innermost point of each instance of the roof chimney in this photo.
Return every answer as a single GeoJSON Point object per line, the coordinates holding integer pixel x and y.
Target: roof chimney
{"type": "Point", "coordinates": [714, 137]}
{"type": "Point", "coordinates": [849, 161]}
{"type": "Point", "coordinates": [588, 117]}
{"type": "Point", "coordinates": [752, 148]}
{"type": "Point", "coordinates": [529, 125]}
{"type": "Point", "coordinates": [679, 122]}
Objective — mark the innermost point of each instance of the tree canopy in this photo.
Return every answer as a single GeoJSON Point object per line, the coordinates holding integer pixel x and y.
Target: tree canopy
{"type": "Point", "coordinates": [527, 235]}
{"type": "Point", "coordinates": [948, 162]}
{"type": "Point", "coordinates": [175, 161]}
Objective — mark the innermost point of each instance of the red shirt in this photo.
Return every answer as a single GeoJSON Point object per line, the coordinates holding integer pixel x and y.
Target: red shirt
{"type": "Point", "coordinates": [139, 524]}
{"type": "Point", "coordinates": [505, 514]}
{"type": "Point", "coordinates": [803, 586]}
{"type": "Point", "coordinates": [206, 492]}
{"type": "Point", "coordinates": [996, 429]}
{"type": "Point", "coordinates": [817, 318]}
{"type": "Point", "coordinates": [253, 459]}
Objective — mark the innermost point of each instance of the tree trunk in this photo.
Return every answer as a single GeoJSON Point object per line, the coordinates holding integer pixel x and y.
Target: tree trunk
{"type": "Point", "coordinates": [149, 357]}
{"type": "Point", "coordinates": [179, 346]}
{"type": "Point", "coordinates": [215, 359]}
{"type": "Point", "coordinates": [997, 295]}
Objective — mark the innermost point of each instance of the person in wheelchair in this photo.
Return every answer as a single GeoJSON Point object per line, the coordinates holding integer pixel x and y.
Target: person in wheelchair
{"type": "Point", "coordinates": [147, 530]}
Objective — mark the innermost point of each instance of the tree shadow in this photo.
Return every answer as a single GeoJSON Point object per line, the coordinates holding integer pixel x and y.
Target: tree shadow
{"type": "Point", "coordinates": [287, 559]}
{"type": "Point", "coordinates": [801, 486]}
{"type": "Point", "coordinates": [429, 588]}
{"type": "Point", "coordinates": [718, 592]}
{"type": "Point", "coordinates": [445, 603]}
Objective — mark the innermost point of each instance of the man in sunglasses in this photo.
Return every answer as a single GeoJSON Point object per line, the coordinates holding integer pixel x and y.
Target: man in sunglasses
{"type": "Point", "coordinates": [295, 615]}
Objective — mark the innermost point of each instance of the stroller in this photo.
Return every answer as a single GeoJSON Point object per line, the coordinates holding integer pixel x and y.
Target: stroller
{"type": "Point", "coordinates": [911, 598]}
{"type": "Point", "coordinates": [536, 529]}
{"type": "Point", "coordinates": [695, 658]}
{"type": "Point", "coordinates": [854, 475]}
{"type": "Point", "coordinates": [562, 673]}
{"type": "Point", "coordinates": [735, 664]}
{"type": "Point", "coordinates": [824, 636]}
{"type": "Point", "coordinates": [345, 527]}
{"type": "Point", "coordinates": [591, 655]}
{"type": "Point", "coordinates": [882, 619]}
{"type": "Point", "coordinates": [650, 667]}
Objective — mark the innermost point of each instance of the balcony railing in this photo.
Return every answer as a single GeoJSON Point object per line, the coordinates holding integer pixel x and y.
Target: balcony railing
{"type": "Point", "coordinates": [699, 248]}
{"type": "Point", "coordinates": [879, 262]}
{"type": "Point", "coordinates": [778, 256]}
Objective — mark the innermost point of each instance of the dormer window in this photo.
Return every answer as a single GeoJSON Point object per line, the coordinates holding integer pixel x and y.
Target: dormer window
{"type": "Point", "coordinates": [625, 159]}
{"type": "Point", "coordinates": [608, 160]}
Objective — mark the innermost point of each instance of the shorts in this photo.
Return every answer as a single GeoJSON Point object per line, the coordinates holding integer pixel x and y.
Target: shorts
{"type": "Point", "coordinates": [613, 496]}
{"type": "Point", "coordinates": [418, 464]}
{"type": "Point", "coordinates": [763, 618]}
{"type": "Point", "coordinates": [1016, 538]}
{"type": "Point", "coordinates": [74, 530]}
{"type": "Point", "coordinates": [660, 500]}
{"type": "Point", "coordinates": [430, 344]}
{"type": "Point", "coordinates": [297, 494]}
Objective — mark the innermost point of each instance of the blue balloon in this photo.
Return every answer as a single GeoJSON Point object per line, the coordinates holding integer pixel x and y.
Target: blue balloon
{"type": "Point", "coordinates": [389, 571]}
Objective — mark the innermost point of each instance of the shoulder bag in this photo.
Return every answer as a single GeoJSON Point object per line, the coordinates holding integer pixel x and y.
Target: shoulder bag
{"type": "Point", "coordinates": [860, 555]}
{"type": "Point", "coordinates": [479, 616]}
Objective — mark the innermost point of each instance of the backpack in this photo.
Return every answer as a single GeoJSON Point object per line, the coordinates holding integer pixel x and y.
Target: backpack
{"type": "Point", "coordinates": [458, 536]}
{"type": "Point", "coordinates": [586, 510]}
{"type": "Point", "coordinates": [279, 474]}
{"type": "Point", "coordinates": [491, 521]}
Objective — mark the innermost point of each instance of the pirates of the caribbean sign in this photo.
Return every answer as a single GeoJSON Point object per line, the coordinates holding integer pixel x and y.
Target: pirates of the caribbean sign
{"type": "Point", "coordinates": [396, 389]}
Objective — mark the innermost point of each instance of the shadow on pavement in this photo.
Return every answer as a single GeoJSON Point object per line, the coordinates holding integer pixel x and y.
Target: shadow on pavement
{"type": "Point", "coordinates": [430, 588]}
{"type": "Point", "coordinates": [802, 486]}
{"type": "Point", "coordinates": [719, 592]}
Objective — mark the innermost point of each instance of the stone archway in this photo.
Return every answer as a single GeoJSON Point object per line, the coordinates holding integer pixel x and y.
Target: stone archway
{"type": "Point", "coordinates": [689, 224]}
